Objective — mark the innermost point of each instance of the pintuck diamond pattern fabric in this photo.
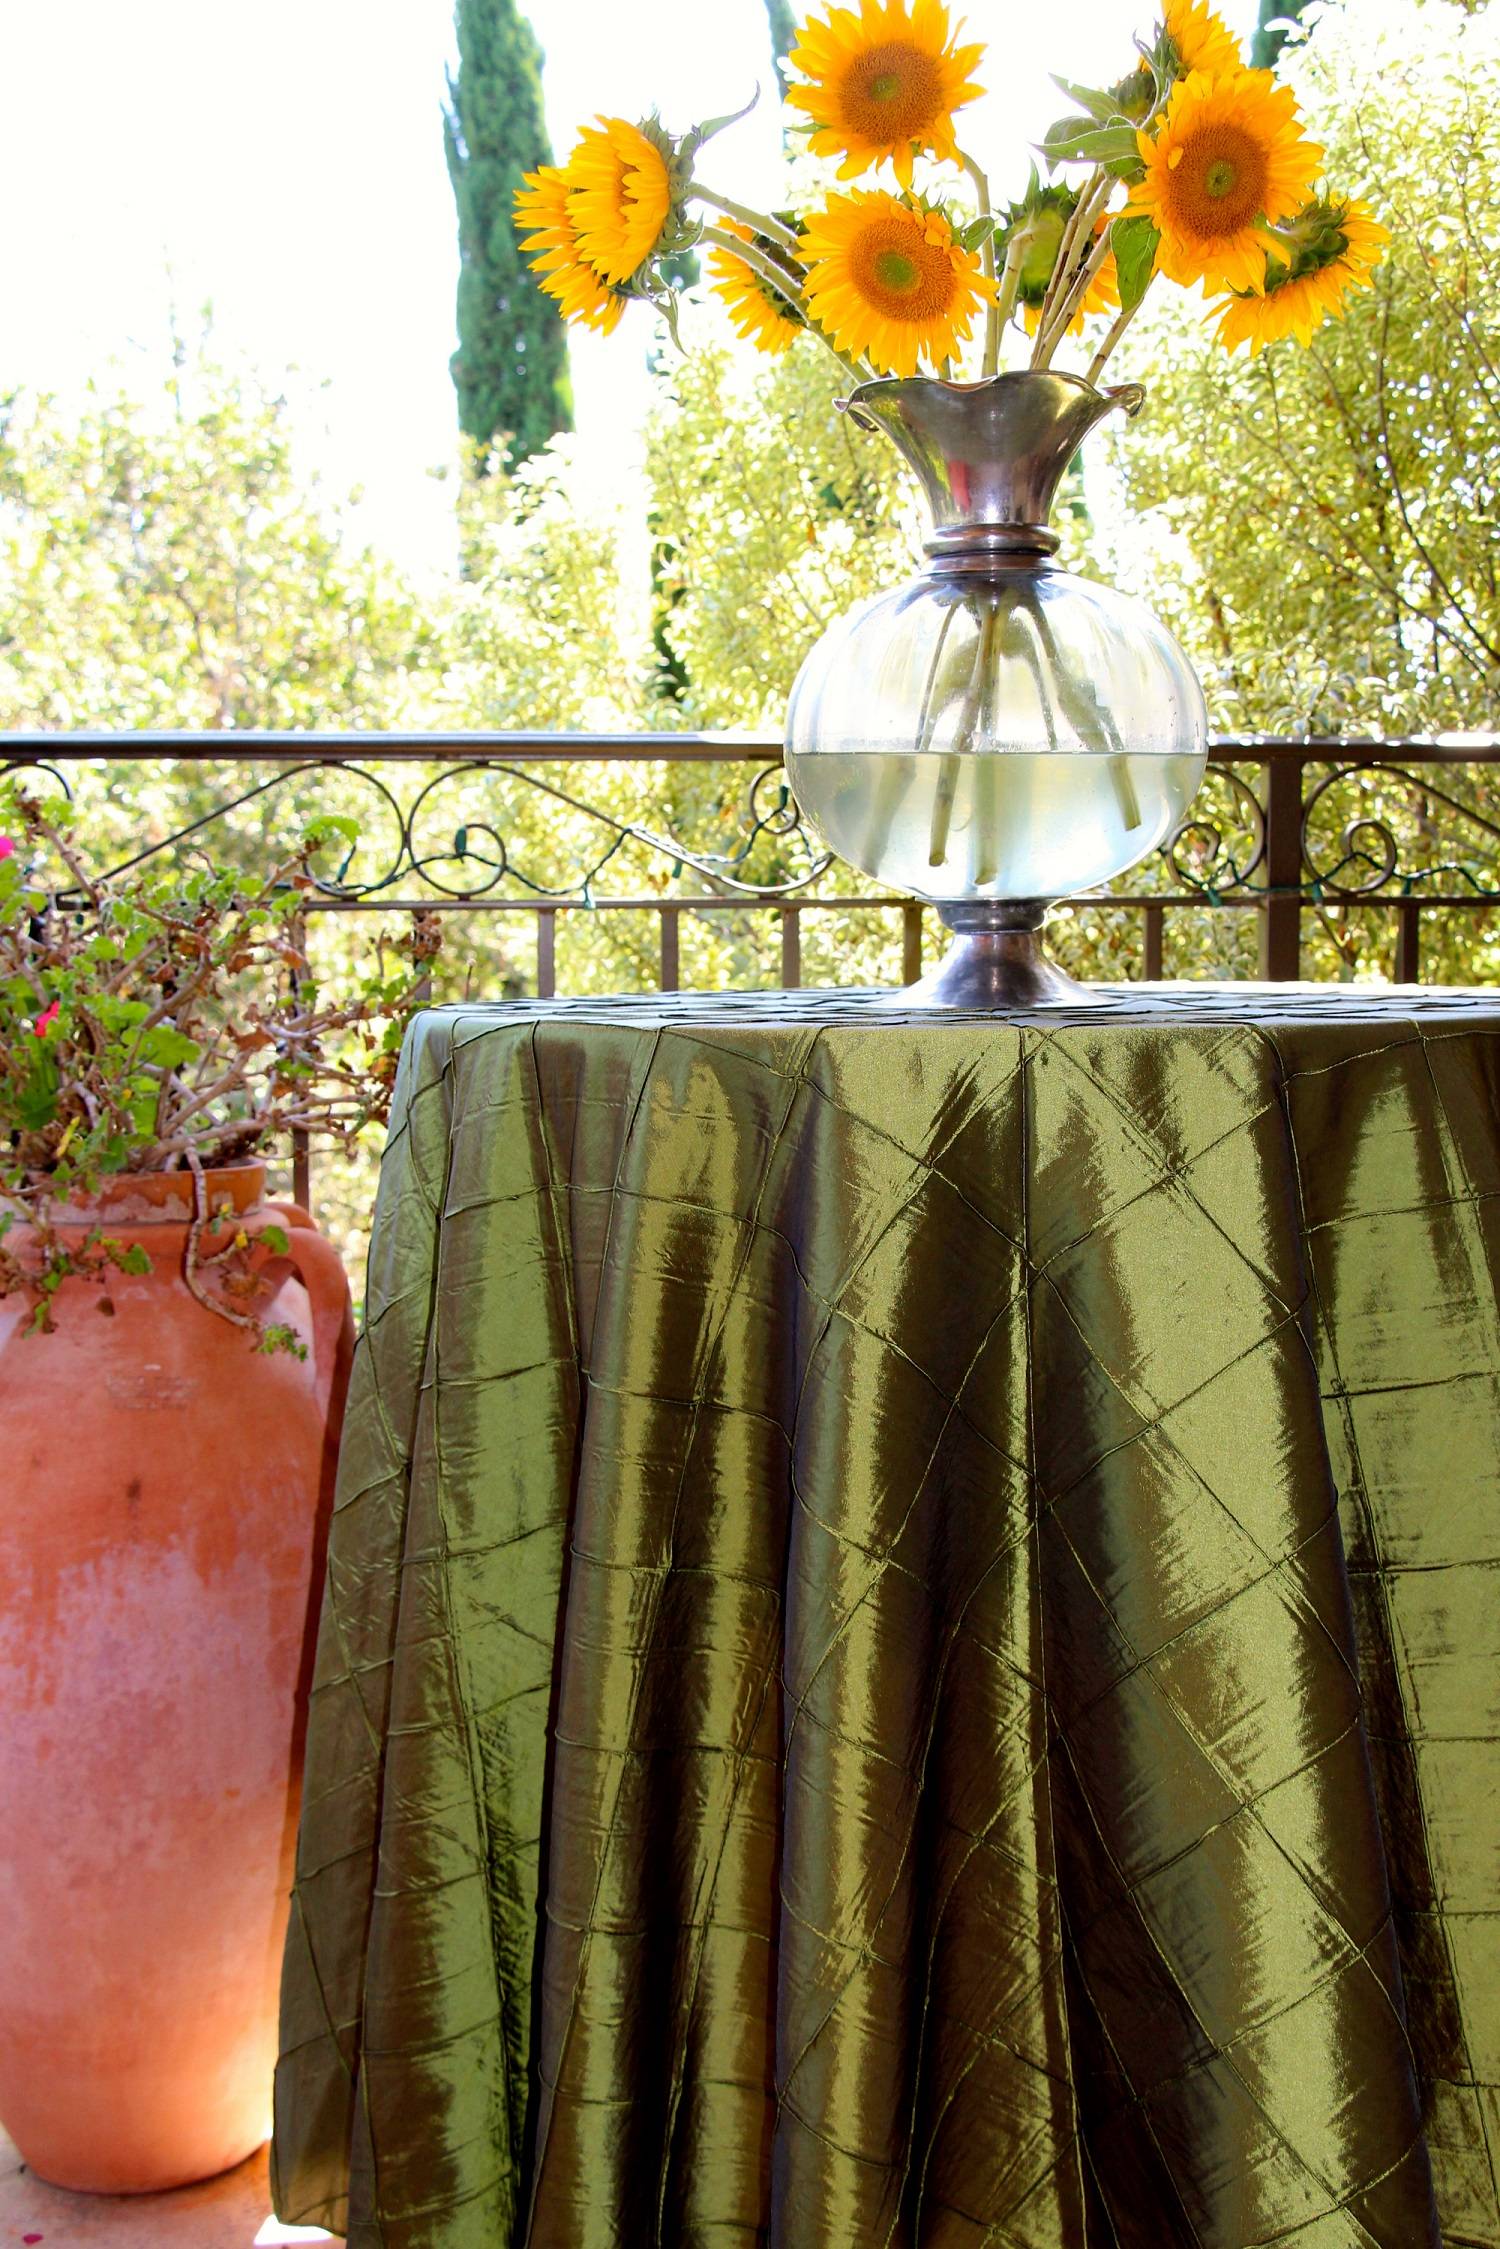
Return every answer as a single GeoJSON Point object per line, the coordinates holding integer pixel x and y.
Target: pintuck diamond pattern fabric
{"type": "Point", "coordinates": [911, 1652]}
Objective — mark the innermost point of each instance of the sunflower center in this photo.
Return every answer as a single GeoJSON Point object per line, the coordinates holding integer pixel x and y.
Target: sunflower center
{"type": "Point", "coordinates": [895, 271]}
{"type": "Point", "coordinates": [892, 92]}
{"type": "Point", "coordinates": [899, 273]}
{"type": "Point", "coordinates": [1219, 181]}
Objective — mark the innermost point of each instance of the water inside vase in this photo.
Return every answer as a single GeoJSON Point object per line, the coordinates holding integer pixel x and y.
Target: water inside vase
{"type": "Point", "coordinates": [997, 824]}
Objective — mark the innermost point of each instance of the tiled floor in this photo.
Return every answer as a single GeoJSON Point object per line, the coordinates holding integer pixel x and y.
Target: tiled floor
{"type": "Point", "coordinates": [233, 2212]}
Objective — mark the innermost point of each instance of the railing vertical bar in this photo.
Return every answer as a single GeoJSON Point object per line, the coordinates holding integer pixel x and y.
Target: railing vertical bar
{"type": "Point", "coordinates": [670, 948]}
{"type": "Point", "coordinates": [422, 987]}
{"type": "Point", "coordinates": [791, 948]}
{"type": "Point", "coordinates": [1409, 941]}
{"type": "Point", "coordinates": [1281, 915]}
{"type": "Point", "coordinates": [911, 943]}
{"type": "Point", "coordinates": [301, 1144]}
{"type": "Point", "coordinates": [546, 952]}
{"type": "Point", "coordinates": [1155, 917]}
{"type": "Point", "coordinates": [301, 1169]}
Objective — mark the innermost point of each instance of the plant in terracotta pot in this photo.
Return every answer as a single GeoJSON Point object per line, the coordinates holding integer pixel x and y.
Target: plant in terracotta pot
{"type": "Point", "coordinates": [173, 1354]}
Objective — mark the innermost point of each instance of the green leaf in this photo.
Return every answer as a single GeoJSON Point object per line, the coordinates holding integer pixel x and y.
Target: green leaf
{"type": "Point", "coordinates": [276, 1240]}
{"type": "Point", "coordinates": [1134, 242]}
{"type": "Point", "coordinates": [168, 1048]}
{"type": "Point", "coordinates": [116, 1014]}
{"type": "Point", "coordinates": [1060, 142]}
{"type": "Point", "coordinates": [977, 232]}
{"type": "Point", "coordinates": [1098, 102]}
{"type": "Point", "coordinates": [328, 827]}
{"type": "Point", "coordinates": [134, 1260]}
{"type": "Point", "coordinates": [36, 1103]}
{"type": "Point", "coordinates": [1077, 140]}
{"type": "Point", "coordinates": [279, 1337]}
{"type": "Point", "coordinates": [1110, 145]}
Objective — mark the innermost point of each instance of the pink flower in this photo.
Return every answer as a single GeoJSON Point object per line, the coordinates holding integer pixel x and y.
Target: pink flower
{"type": "Point", "coordinates": [46, 1019]}
{"type": "Point", "coordinates": [7, 847]}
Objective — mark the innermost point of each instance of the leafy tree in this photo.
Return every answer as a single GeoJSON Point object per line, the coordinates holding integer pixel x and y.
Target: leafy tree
{"type": "Point", "coordinates": [1279, 22]}
{"type": "Point", "coordinates": [170, 563]}
{"type": "Point", "coordinates": [1319, 526]}
{"type": "Point", "coordinates": [783, 24]}
{"type": "Point", "coordinates": [1325, 519]}
{"type": "Point", "coordinates": [781, 514]}
{"type": "Point", "coordinates": [511, 366]}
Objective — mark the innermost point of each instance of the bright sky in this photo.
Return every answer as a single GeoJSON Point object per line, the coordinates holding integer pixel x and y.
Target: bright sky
{"type": "Point", "coordinates": [285, 162]}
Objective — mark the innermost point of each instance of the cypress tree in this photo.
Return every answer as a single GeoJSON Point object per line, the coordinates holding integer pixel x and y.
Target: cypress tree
{"type": "Point", "coordinates": [783, 37]}
{"type": "Point", "coordinates": [1275, 28]}
{"type": "Point", "coordinates": [511, 366]}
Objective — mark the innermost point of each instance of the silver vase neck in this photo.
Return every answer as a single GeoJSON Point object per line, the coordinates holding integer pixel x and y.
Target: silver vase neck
{"type": "Point", "coordinates": [989, 456]}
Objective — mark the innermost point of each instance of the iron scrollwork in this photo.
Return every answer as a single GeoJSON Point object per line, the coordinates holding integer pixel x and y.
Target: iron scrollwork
{"type": "Point", "coordinates": [475, 861]}
{"type": "Point", "coordinates": [1371, 859]}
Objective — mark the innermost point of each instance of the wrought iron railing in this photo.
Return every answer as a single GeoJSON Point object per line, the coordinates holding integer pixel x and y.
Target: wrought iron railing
{"type": "Point", "coordinates": [1284, 830]}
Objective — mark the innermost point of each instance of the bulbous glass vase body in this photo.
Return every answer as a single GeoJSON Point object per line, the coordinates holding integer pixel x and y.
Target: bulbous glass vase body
{"type": "Point", "coordinates": [999, 729]}
{"type": "Point", "coordinates": [1024, 739]}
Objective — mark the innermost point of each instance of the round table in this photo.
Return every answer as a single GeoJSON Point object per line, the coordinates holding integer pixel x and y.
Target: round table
{"type": "Point", "coordinates": [911, 1651]}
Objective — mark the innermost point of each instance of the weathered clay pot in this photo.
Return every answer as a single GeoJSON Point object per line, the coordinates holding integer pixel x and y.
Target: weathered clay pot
{"type": "Point", "coordinates": [165, 1506]}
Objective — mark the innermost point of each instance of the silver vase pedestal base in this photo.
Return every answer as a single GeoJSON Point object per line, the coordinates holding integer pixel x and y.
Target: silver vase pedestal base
{"type": "Point", "coordinates": [996, 963]}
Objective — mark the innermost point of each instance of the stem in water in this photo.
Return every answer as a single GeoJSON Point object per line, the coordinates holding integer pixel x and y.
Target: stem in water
{"type": "Point", "coordinates": [892, 785]}
{"type": "Point", "coordinates": [963, 739]}
{"type": "Point", "coordinates": [1091, 722]}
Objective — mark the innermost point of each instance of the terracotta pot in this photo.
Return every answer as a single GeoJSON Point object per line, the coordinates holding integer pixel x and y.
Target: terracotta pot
{"type": "Point", "coordinates": [165, 1508]}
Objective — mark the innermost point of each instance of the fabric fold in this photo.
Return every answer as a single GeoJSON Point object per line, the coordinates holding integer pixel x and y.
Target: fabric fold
{"type": "Point", "coordinates": [908, 1651]}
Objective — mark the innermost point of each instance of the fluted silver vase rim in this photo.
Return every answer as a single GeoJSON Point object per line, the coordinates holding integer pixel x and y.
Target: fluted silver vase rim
{"type": "Point", "coordinates": [1129, 398]}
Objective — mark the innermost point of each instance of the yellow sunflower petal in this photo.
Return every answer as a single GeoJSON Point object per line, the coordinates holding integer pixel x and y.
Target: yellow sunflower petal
{"type": "Point", "coordinates": [887, 282]}
{"type": "Point", "coordinates": [882, 85]}
{"type": "Point", "coordinates": [1228, 153]}
{"type": "Point", "coordinates": [1297, 303]}
{"type": "Point", "coordinates": [1202, 39]}
{"type": "Point", "coordinates": [754, 309]}
{"type": "Point", "coordinates": [621, 195]}
{"type": "Point", "coordinates": [543, 218]}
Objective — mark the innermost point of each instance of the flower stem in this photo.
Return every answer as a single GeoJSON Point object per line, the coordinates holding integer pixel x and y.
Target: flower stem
{"type": "Point", "coordinates": [1051, 334]}
{"type": "Point", "coordinates": [1010, 282]}
{"type": "Point", "coordinates": [786, 288]}
{"type": "Point", "coordinates": [963, 739]}
{"type": "Point", "coordinates": [1065, 248]}
{"type": "Point", "coordinates": [1063, 296]}
{"type": "Point", "coordinates": [759, 222]}
{"type": "Point", "coordinates": [991, 363]}
{"type": "Point", "coordinates": [1121, 323]}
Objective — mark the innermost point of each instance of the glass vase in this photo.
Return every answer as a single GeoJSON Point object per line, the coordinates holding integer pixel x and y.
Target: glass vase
{"type": "Point", "coordinates": [999, 733]}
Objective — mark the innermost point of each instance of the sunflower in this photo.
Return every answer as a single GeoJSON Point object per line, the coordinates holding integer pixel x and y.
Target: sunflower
{"type": "Point", "coordinates": [1332, 249]}
{"type": "Point", "coordinates": [756, 311]}
{"type": "Point", "coordinates": [887, 282]}
{"type": "Point", "coordinates": [1228, 155]}
{"type": "Point", "coordinates": [544, 220]}
{"type": "Point", "coordinates": [883, 83]}
{"type": "Point", "coordinates": [621, 196]}
{"type": "Point", "coordinates": [1203, 40]}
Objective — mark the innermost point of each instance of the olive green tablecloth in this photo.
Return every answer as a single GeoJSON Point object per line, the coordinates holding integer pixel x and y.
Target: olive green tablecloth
{"type": "Point", "coordinates": [910, 1653]}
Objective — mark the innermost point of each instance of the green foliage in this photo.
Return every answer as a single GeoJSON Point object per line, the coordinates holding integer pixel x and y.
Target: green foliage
{"type": "Point", "coordinates": [1280, 21]}
{"type": "Point", "coordinates": [168, 1023]}
{"type": "Point", "coordinates": [782, 512]}
{"type": "Point", "coordinates": [511, 366]}
{"type": "Point", "coordinates": [1319, 526]}
{"type": "Point", "coordinates": [782, 22]}
{"type": "Point", "coordinates": [1323, 522]}
{"type": "Point", "coordinates": [167, 563]}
